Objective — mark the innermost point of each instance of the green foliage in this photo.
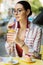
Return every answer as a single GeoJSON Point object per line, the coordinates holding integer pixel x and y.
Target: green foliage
{"type": "Point", "coordinates": [35, 5]}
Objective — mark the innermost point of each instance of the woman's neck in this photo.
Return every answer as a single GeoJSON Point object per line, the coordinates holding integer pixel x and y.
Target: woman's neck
{"type": "Point", "coordinates": [23, 24]}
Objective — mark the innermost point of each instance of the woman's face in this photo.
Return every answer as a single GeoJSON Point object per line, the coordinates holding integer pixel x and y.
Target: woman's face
{"type": "Point", "coordinates": [19, 12]}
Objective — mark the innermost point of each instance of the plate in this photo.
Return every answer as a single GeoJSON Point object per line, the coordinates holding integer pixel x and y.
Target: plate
{"type": "Point", "coordinates": [33, 60]}
{"type": "Point", "coordinates": [14, 62]}
{"type": "Point", "coordinates": [8, 60]}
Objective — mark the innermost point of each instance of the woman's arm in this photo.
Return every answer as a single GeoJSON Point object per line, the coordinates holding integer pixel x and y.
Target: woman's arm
{"type": "Point", "coordinates": [22, 45]}
{"type": "Point", "coordinates": [34, 46]}
{"type": "Point", "coordinates": [37, 41]}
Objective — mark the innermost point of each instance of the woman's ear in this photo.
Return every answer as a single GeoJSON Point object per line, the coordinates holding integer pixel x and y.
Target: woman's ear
{"type": "Point", "coordinates": [28, 12]}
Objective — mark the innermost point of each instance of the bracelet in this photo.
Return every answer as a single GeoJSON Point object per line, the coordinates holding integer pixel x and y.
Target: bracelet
{"type": "Point", "coordinates": [28, 55]}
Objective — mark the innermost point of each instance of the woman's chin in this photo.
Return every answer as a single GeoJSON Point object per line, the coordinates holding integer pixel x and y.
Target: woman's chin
{"type": "Point", "coordinates": [17, 19]}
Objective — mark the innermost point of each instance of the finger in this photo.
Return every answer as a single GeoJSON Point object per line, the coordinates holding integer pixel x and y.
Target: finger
{"type": "Point", "coordinates": [10, 33]}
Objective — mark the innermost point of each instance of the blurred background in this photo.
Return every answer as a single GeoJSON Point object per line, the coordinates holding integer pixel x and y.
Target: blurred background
{"type": "Point", "coordinates": [6, 13]}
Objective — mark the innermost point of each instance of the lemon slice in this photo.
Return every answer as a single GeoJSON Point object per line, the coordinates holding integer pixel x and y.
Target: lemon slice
{"type": "Point", "coordinates": [11, 30]}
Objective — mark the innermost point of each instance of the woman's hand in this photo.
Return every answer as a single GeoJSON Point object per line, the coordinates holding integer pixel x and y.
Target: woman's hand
{"type": "Point", "coordinates": [11, 36]}
{"type": "Point", "coordinates": [19, 41]}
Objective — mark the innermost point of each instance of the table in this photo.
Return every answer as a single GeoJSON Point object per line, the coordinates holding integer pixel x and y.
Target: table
{"type": "Point", "coordinates": [21, 62]}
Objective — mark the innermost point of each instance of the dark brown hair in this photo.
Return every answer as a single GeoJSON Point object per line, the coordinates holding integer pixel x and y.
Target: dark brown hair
{"type": "Point", "coordinates": [26, 6]}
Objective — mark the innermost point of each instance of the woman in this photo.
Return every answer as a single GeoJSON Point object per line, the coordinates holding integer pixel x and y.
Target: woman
{"type": "Point", "coordinates": [27, 35]}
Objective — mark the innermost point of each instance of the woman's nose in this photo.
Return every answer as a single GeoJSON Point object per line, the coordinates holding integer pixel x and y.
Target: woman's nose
{"type": "Point", "coordinates": [16, 13]}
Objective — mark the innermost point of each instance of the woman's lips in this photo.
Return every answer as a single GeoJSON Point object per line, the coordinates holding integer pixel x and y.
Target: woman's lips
{"type": "Point", "coordinates": [17, 17]}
